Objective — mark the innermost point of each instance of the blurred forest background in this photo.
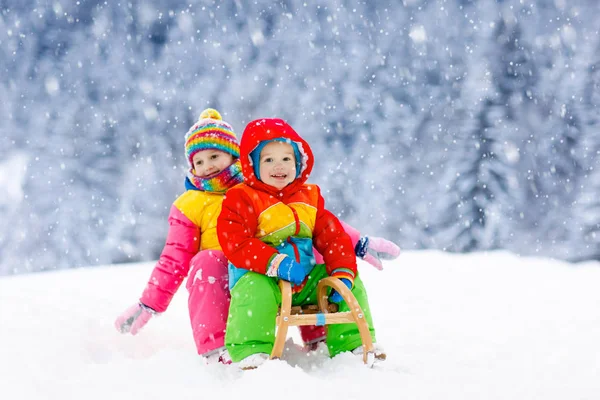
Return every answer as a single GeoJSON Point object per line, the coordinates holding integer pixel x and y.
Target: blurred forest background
{"type": "Point", "coordinates": [462, 125]}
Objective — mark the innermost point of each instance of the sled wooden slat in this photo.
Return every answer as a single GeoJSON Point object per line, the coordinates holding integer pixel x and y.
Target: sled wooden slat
{"type": "Point", "coordinates": [312, 309]}
{"type": "Point", "coordinates": [324, 314]}
{"type": "Point", "coordinates": [313, 319]}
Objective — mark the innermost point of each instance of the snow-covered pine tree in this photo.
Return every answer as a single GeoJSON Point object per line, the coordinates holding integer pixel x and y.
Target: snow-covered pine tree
{"type": "Point", "coordinates": [585, 224]}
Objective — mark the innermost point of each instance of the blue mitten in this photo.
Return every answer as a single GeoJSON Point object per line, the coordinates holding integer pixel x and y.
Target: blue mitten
{"type": "Point", "coordinates": [335, 297]}
{"type": "Point", "coordinates": [291, 271]}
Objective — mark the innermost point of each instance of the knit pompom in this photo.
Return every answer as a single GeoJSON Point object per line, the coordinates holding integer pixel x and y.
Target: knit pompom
{"type": "Point", "coordinates": [210, 113]}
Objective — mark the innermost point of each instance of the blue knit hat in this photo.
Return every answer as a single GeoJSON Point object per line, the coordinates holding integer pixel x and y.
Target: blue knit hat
{"type": "Point", "coordinates": [255, 155]}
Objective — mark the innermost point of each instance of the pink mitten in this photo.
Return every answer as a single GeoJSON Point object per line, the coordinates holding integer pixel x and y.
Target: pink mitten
{"type": "Point", "coordinates": [374, 249]}
{"type": "Point", "coordinates": [134, 318]}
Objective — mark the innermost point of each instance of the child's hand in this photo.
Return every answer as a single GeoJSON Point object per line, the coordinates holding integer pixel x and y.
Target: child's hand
{"type": "Point", "coordinates": [291, 271]}
{"type": "Point", "coordinates": [374, 249]}
{"type": "Point", "coordinates": [335, 297]}
{"type": "Point", "coordinates": [134, 318]}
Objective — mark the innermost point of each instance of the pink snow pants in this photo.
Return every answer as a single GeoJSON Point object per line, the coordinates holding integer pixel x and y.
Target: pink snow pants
{"type": "Point", "coordinates": [208, 302]}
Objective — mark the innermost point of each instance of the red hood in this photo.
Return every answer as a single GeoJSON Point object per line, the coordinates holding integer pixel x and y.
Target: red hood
{"type": "Point", "coordinates": [267, 129]}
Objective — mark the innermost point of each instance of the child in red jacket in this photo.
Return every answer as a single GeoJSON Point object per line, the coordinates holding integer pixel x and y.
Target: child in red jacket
{"type": "Point", "coordinates": [267, 228]}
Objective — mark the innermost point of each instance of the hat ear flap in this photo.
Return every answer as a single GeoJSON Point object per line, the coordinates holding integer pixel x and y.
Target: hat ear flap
{"type": "Point", "coordinates": [255, 158]}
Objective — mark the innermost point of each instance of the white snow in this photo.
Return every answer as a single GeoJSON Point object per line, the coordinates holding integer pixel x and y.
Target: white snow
{"type": "Point", "coordinates": [480, 326]}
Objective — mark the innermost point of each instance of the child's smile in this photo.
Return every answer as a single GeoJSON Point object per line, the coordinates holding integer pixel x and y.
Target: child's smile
{"type": "Point", "coordinates": [280, 178]}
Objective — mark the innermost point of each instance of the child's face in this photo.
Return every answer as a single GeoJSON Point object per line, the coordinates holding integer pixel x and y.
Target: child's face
{"type": "Point", "coordinates": [211, 162]}
{"type": "Point", "coordinates": [277, 164]}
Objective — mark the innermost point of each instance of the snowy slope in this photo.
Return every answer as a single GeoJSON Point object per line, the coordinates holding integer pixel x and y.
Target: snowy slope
{"type": "Point", "coordinates": [480, 326]}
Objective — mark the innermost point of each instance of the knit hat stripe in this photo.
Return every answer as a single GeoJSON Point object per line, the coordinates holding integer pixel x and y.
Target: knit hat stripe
{"type": "Point", "coordinates": [212, 134]}
{"type": "Point", "coordinates": [223, 145]}
{"type": "Point", "coordinates": [212, 128]}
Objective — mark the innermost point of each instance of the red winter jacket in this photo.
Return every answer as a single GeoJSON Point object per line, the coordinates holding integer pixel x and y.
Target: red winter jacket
{"type": "Point", "coordinates": [254, 215]}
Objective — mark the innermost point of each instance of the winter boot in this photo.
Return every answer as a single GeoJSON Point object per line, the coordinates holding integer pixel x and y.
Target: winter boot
{"type": "Point", "coordinates": [253, 361]}
{"type": "Point", "coordinates": [220, 355]}
{"type": "Point", "coordinates": [314, 344]}
{"type": "Point", "coordinates": [379, 354]}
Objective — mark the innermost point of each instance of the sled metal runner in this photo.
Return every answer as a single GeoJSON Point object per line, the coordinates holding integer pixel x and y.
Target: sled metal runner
{"type": "Point", "coordinates": [322, 314]}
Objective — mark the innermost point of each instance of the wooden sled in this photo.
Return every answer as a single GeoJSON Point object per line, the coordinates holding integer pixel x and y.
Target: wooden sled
{"type": "Point", "coordinates": [323, 314]}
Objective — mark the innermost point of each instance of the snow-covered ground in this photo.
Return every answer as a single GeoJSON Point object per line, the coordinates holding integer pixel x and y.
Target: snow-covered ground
{"type": "Point", "coordinates": [479, 326]}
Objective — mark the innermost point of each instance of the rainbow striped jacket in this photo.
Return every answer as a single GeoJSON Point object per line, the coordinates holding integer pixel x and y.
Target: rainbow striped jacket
{"type": "Point", "coordinates": [258, 221]}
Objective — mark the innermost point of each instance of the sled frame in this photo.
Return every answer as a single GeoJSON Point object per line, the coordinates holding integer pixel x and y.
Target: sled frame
{"type": "Point", "coordinates": [322, 314]}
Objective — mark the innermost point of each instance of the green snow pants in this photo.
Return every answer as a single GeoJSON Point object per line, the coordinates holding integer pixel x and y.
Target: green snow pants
{"type": "Point", "coordinates": [255, 301]}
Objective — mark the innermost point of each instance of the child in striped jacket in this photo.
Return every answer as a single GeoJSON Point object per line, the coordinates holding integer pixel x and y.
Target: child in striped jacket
{"type": "Point", "coordinates": [267, 229]}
